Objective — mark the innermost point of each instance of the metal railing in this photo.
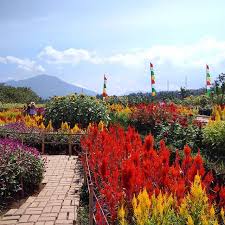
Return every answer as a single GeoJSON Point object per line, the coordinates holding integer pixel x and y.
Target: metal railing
{"type": "Point", "coordinates": [92, 196]}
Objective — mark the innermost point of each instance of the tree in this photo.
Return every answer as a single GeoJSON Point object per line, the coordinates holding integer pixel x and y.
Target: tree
{"type": "Point", "coordinates": [219, 88]}
{"type": "Point", "coordinates": [10, 94]}
{"type": "Point", "coordinates": [184, 92]}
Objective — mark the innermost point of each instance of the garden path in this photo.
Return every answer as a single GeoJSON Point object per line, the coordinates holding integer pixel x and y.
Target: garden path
{"type": "Point", "coordinates": [203, 119]}
{"type": "Point", "coordinates": [58, 201]}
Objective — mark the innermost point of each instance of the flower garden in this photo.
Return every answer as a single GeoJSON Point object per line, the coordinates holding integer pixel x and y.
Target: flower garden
{"type": "Point", "coordinates": [151, 162]}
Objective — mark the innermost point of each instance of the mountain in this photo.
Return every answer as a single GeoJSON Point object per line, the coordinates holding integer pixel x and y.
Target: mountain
{"type": "Point", "coordinates": [47, 86]}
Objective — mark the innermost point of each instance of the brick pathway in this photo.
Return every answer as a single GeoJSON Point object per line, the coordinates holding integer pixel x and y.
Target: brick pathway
{"type": "Point", "coordinates": [58, 201]}
{"type": "Point", "coordinates": [203, 119]}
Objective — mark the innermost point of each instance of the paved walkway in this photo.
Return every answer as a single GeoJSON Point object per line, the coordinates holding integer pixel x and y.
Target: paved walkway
{"type": "Point", "coordinates": [58, 201]}
{"type": "Point", "coordinates": [203, 119]}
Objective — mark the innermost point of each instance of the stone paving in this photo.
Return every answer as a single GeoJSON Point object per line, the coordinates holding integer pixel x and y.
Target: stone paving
{"type": "Point", "coordinates": [58, 201]}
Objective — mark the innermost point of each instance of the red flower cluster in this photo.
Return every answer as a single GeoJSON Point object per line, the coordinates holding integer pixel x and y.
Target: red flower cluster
{"type": "Point", "coordinates": [150, 115]}
{"type": "Point", "coordinates": [122, 166]}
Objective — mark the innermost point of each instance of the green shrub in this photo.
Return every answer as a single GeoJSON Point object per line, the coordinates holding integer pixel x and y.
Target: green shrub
{"type": "Point", "coordinates": [76, 109]}
{"type": "Point", "coordinates": [20, 166]}
{"type": "Point", "coordinates": [214, 139]}
{"type": "Point", "coordinates": [177, 136]}
{"type": "Point", "coordinates": [121, 118]}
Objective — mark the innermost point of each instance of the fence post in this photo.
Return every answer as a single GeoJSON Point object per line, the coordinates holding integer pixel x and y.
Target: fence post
{"type": "Point", "coordinates": [43, 144]}
{"type": "Point", "coordinates": [91, 205]}
{"type": "Point", "coordinates": [70, 145]}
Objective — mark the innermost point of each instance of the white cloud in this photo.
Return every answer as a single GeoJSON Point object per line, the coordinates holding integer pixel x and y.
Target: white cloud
{"type": "Point", "coordinates": [2, 60]}
{"type": "Point", "coordinates": [68, 56]}
{"type": "Point", "coordinates": [197, 54]}
{"type": "Point", "coordinates": [192, 55]}
{"type": "Point", "coordinates": [25, 64]}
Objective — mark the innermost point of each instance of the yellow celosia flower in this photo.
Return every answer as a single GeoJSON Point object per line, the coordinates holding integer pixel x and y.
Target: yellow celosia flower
{"type": "Point", "coordinates": [75, 129]}
{"type": "Point", "coordinates": [101, 126]}
{"type": "Point", "coordinates": [212, 212]}
{"type": "Point", "coordinates": [197, 201]}
{"type": "Point", "coordinates": [42, 126]}
{"type": "Point", "coordinates": [222, 215]}
{"type": "Point", "coordinates": [49, 127]}
{"type": "Point", "coordinates": [217, 116]}
{"type": "Point", "coordinates": [65, 126]}
{"type": "Point", "coordinates": [204, 220]}
{"type": "Point", "coordinates": [190, 220]}
{"type": "Point", "coordinates": [141, 207]}
{"type": "Point", "coordinates": [218, 113]}
{"type": "Point", "coordinates": [121, 216]}
{"type": "Point", "coordinates": [134, 202]}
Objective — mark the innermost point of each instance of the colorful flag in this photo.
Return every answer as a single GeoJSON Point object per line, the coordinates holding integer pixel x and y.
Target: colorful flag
{"type": "Point", "coordinates": [208, 80]}
{"type": "Point", "coordinates": [152, 80]}
{"type": "Point", "coordinates": [104, 94]}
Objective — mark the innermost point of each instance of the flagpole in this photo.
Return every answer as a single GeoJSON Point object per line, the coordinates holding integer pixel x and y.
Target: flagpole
{"type": "Point", "coordinates": [152, 80]}
{"type": "Point", "coordinates": [208, 80]}
{"type": "Point", "coordinates": [104, 93]}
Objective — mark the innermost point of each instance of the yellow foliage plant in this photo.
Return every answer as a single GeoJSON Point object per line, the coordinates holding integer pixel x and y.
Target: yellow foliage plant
{"type": "Point", "coordinates": [49, 127]}
{"type": "Point", "coordinates": [122, 216]}
{"type": "Point", "coordinates": [101, 126]}
{"type": "Point", "coordinates": [218, 113]}
{"type": "Point", "coordinates": [75, 129]}
{"type": "Point", "coordinates": [141, 206]}
{"type": "Point", "coordinates": [164, 209]}
{"type": "Point", "coordinates": [65, 126]}
{"type": "Point", "coordinates": [195, 207]}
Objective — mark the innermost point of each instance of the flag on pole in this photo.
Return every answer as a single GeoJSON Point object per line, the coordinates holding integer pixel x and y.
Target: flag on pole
{"type": "Point", "coordinates": [208, 80]}
{"type": "Point", "coordinates": [152, 80]}
{"type": "Point", "coordinates": [104, 94]}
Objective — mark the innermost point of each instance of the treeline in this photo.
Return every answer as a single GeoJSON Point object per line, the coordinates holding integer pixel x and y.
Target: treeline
{"type": "Point", "coordinates": [10, 94]}
{"type": "Point", "coordinates": [135, 98]}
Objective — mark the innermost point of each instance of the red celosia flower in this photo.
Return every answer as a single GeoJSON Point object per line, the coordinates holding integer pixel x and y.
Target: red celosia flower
{"type": "Point", "coordinates": [122, 166]}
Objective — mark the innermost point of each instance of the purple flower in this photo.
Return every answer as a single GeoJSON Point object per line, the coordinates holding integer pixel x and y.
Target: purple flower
{"type": "Point", "coordinates": [9, 145]}
{"type": "Point", "coordinates": [20, 127]}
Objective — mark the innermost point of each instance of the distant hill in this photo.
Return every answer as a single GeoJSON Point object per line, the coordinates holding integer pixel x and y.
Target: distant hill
{"type": "Point", "coordinates": [47, 86]}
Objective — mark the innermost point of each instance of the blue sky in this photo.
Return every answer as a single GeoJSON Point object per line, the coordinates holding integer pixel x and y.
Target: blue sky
{"type": "Point", "coordinates": [79, 41]}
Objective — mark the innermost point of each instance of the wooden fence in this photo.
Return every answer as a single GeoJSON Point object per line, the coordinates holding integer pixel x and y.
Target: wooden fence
{"type": "Point", "coordinates": [43, 136]}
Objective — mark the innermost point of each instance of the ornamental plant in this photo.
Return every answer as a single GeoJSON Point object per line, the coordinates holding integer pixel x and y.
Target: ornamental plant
{"type": "Point", "coordinates": [214, 139]}
{"type": "Point", "coordinates": [178, 134]}
{"type": "Point", "coordinates": [20, 166]}
{"type": "Point", "coordinates": [173, 123]}
{"type": "Point", "coordinates": [218, 113]}
{"type": "Point", "coordinates": [146, 117]}
{"type": "Point", "coordinates": [122, 166]}
{"type": "Point", "coordinates": [75, 109]}
{"type": "Point", "coordinates": [120, 115]}
{"type": "Point", "coordinates": [163, 208]}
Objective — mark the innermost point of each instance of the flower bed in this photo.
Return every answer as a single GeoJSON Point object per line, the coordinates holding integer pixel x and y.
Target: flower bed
{"type": "Point", "coordinates": [122, 166]}
{"type": "Point", "coordinates": [21, 169]}
{"type": "Point", "coordinates": [175, 124]}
